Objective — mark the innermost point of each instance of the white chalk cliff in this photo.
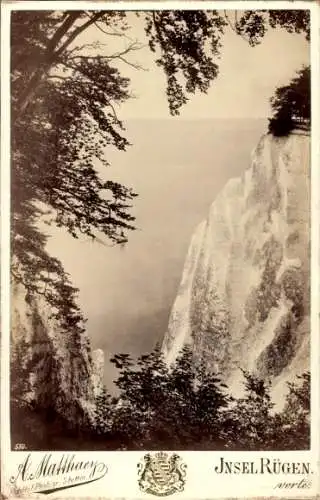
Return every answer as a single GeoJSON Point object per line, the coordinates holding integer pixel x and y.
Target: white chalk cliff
{"type": "Point", "coordinates": [243, 300]}
{"type": "Point", "coordinates": [97, 372]}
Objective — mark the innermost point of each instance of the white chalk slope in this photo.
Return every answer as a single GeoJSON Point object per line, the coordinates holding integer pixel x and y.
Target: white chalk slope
{"type": "Point", "coordinates": [243, 300]}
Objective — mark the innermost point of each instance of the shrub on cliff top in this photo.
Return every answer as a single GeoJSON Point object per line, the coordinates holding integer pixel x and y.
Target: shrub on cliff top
{"type": "Point", "coordinates": [291, 105]}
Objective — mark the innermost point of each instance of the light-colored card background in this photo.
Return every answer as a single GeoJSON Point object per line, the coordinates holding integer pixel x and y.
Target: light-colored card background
{"type": "Point", "coordinates": [121, 479]}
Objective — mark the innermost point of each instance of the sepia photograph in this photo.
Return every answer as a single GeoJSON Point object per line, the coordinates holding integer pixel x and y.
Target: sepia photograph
{"type": "Point", "coordinates": [160, 230]}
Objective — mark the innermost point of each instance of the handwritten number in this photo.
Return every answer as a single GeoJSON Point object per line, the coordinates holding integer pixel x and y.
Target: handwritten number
{"type": "Point", "coordinates": [20, 446]}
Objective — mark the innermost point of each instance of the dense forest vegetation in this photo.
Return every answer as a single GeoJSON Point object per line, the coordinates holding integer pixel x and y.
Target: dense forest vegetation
{"type": "Point", "coordinates": [185, 407]}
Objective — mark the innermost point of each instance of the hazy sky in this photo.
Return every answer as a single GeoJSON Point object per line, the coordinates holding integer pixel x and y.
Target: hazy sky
{"type": "Point", "coordinates": [177, 165]}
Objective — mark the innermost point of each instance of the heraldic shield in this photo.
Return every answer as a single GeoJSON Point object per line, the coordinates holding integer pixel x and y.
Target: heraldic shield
{"type": "Point", "coordinates": [161, 474]}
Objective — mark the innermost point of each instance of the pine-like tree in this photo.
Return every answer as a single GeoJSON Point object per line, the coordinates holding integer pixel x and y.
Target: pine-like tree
{"type": "Point", "coordinates": [294, 421]}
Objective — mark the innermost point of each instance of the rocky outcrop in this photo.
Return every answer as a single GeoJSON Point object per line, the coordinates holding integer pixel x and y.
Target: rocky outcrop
{"type": "Point", "coordinates": [51, 368]}
{"type": "Point", "coordinates": [97, 372]}
{"type": "Point", "coordinates": [243, 300]}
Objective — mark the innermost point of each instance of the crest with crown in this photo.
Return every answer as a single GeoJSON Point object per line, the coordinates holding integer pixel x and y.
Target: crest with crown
{"type": "Point", "coordinates": [161, 473]}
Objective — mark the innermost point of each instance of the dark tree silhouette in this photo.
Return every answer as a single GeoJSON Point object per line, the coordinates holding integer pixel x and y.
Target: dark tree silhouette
{"type": "Point", "coordinates": [181, 407]}
{"type": "Point", "coordinates": [294, 420]}
{"type": "Point", "coordinates": [291, 105]}
{"type": "Point", "coordinates": [251, 416]}
{"type": "Point", "coordinates": [253, 24]}
{"type": "Point", "coordinates": [187, 407]}
{"type": "Point", "coordinates": [167, 407]}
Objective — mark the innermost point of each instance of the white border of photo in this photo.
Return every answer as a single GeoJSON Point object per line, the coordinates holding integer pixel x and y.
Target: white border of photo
{"type": "Point", "coordinates": [121, 477]}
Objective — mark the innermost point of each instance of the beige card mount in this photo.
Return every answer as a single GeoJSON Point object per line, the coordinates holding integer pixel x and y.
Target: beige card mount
{"type": "Point", "coordinates": [160, 250]}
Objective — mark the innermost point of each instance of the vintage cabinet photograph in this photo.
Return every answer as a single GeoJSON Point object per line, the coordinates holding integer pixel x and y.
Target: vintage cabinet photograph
{"type": "Point", "coordinates": [160, 228]}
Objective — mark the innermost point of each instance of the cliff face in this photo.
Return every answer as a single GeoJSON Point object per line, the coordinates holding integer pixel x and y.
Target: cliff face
{"type": "Point", "coordinates": [51, 367]}
{"type": "Point", "coordinates": [243, 300]}
{"type": "Point", "coordinates": [97, 372]}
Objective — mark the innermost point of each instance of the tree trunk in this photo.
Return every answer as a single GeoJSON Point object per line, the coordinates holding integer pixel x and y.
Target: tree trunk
{"type": "Point", "coordinates": [45, 64]}
{"type": "Point", "coordinates": [51, 56]}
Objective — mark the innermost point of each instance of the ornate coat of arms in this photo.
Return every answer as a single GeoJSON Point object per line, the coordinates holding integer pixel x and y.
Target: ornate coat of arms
{"type": "Point", "coordinates": [161, 474]}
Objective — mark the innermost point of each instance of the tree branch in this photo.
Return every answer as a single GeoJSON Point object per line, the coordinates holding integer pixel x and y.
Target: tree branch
{"type": "Point", "coordinates": [58, 77]}
{"type": "Point", "coordinates": [157, 28]}
{"type": "Point", "coordinates": [132, 47]}
{"type": "Point", "coordinates": [111, 33]}
{"type": "Point", "coordinates": [93, 45]}
{"type": "Point", "coordinates": [119, 55]}
{"type": "Point", "coordinates": [77, 32]}
{"type": "Point", "coordinates": [133, 65]}
{"type": "Point", "coordinates": [229, 22]}
{"type": "Point", "coordinates": [62, 30]}
{"type": "Point", "coordinates": [47, 60]}
{"type": "Point", "coordinates": [234, 29]}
